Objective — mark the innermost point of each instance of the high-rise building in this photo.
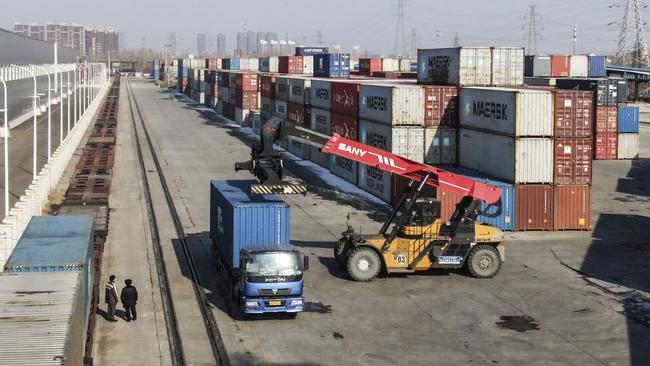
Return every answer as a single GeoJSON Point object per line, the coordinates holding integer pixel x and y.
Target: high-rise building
{"type": "Point", "coordinates": [200, 44]}
{"type": "Point", "coordinates": [251, 43]}
{"type": "Point", "coordinates": [221, 44]}
{"type": "Point", "coordinates": [93, 42]}
{"type": "Point", "coordinates": [242, 42]}
{"type": "Point", "coordinates": [171, 44]}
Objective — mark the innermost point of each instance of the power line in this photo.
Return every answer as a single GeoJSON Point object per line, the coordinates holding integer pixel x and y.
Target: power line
{"type": "Point", "coordinates": [400, 32]}
{"type": "Point", "coordinates": [534, 33]}
{"type": "Point", "coordinates": [632, 48]}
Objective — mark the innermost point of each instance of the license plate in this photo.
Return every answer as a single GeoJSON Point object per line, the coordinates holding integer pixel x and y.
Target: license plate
{"type": "Point", "coordinates": [275, 303]}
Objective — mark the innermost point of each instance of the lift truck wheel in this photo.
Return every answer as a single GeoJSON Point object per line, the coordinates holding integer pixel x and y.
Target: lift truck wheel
{"type": "Point", "coordinates": [340, 253]}
{"type": "Point", "coordinates": [363, 264]}
{"type": "Point", "coordinates": [484, 261]}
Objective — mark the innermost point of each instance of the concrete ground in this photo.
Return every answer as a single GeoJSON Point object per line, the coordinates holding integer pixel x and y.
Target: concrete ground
{"type": "Point", "coordinates": [576, 298]}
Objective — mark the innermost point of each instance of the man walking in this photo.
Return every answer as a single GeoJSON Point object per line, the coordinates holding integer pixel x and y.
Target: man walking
{"type": "Point", "coordinates": [110, 296]}
{"type": "Point", "coordinates": [129, 297]}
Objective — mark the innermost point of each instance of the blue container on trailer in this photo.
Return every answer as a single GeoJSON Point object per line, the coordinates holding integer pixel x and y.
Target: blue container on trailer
{"type": "Point", "coordinates": [597, 66]}
{"type": "Point", "coordinates": [628, 119]}
{"type": "Point", "coordinates": [240, 220]}
{"type": "Point", "coordinates": [505, 221]}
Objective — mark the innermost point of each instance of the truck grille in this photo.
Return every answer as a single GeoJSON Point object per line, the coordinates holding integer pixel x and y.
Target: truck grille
{"type": "Point", "coordinates": [279, 292]}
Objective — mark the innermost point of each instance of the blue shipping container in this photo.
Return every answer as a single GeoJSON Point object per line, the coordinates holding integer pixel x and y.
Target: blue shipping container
{"type": "Point", "coordinates": [597, 66]}
{"type": "Point", "coordinates": [628, 119]}
{"type": "Point", "coordinates": [506, 221]}
{"type": "Point", "coordinates": [311, 51]}
{"type": "Point", "coordinates": [240, 220]}
{"type": "Point", "coordinates": [332, 65]}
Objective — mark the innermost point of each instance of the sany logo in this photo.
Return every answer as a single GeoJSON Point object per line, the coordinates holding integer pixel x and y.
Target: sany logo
{"type": "Point", "coordinates": [361, 153]}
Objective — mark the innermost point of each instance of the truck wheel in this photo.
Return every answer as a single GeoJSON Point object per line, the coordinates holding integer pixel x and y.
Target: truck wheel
{"type": "Point", "coordinates": [339, 253]}
{"type": "Point", "coordinates": [484, 261]}
{"type": "Point", "coordinates": [363, 264]}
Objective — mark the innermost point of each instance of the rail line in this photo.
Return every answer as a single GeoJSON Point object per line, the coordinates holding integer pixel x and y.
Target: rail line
{"type": "Point", "coordinates": [176, 345]}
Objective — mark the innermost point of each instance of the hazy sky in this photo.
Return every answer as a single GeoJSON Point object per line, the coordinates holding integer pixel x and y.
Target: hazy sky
{"type": "Point", "coordinates": [368, 23]}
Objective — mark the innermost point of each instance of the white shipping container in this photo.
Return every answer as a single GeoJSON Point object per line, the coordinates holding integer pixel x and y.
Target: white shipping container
{"type": "Point", "coordinates": [390, 64]}
{"type": "Point", "coordinates": [269, 64]}
{"type": "Point", "coordinates": [249, 64]}
{"type": "Point", "coordinates": [267, 107]}
{"type": "Point", "coordinates": [507, 66]}
{"type": "Point", "coordinates": [344, 168]}
{"type": "Point", "coordinates": [628, 145]}
{"type": "Point", "coordinates": [515, 160]}
{"type": "Point", "coordinates": [318, 157]}
{"type": "Point", "coordinates": [440, 145]}
{"type": "Point", "coordinates": [201, 98]}
{"type": "Point", "coordinates": [320, 94]}
{"type": "Point", "coordinates": [299, 89]}
{"type": "Point", "coordinates": [508, 111]}
{"type": "Point", "coordinates": [308, 65]}
{"type": "Point", "coordinates": [321, 121]}
{"type": "Point", "coordinates": [462, 66]}
{"type": "Point", "coordinates": [282, 88]}
{"type": "Point", "coordinates": [299, 149]}
{"type": "Point", "coordinates": [392, 104]}
{"type": "Point", "coordinates": [579, 66]}
{"type": "Point", "coordinates": [224, 94]}
{"type": "Point", "coordinates": [241, 117]}
{"type": "Point", "coordinates": [281, 109]}
{"type": "Point", "coordinates": [405, 65]}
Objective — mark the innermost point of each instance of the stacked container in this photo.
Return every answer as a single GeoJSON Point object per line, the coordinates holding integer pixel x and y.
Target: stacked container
{"type": "Point", "coordinates": [332, 65]}
{"type": "Point", "coordinates": [290, 65]}
{"type": "Point", "coordinates": [238, 95]}
{"type": "Point", "coordinates": [441, 124]}
{"type": "Point", "coordinates": [628, 132]}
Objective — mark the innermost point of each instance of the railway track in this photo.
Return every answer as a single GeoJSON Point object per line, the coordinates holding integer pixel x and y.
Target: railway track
{"type": "Point", "coordinates": [171, 317]}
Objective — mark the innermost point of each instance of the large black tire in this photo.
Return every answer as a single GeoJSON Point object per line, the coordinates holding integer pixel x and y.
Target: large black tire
{"type": "Point", "coordinates": [363, 264]}
{"type": "Point", "coordinates": [484, 261]}
{"type": "Point", "coordinates": [340, 253]}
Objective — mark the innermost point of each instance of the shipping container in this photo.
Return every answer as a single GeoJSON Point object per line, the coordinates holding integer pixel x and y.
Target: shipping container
{"type": "Point", "coordinates": [514, 160]}
{"type": "Point", "coordinates": [281, 110]}
{"type": "Point", "coordinates": [239, 219]}
{"type": "Point", "coordinates": [606, 119]}
{"type": "Point", "coordinates": [572, 207]}
{"type": "Point", "coordinates": [392, 104]}
{"type": "Point", "coordinates": [405, 65]}
{"type": "Point", "coordinates": [43, 320]}
{"type": "Point", "coordinates": [573, 113]}
{"type": "Point", "coordinates": [621, 90]}
{"type": "Point", "coordinates": [249, 63]}
{"type": "Point", "coordinates": [369, 65]}
{"type": "Point", "coordinates": [508, 111]}
{"type": "Point", "coordinates": [320, 96]}
{"type": "Point", "coordinates": [540, 81]}
{"type": "Point", "coordinates": [537, 66]}
{"type": "Point", "coordinates": [332, 65]}
{"type": "Point", "coordinates": [246, 81]}
{"type": "Point", "coordinates": [606, 146]}
{"type": "Point", "coordinates": [282, 88]}
{"type": "Point", "coordinates": [321, 121]}
{"type": "Point", "coordinates": [267, 108]}
{"type": "Point", "coordinates": [256, 122]}
{"type": "Point", "coordinates": [462, 66]}
{"type": "Point", "coordinates": [299, 114]}
{"type": "Point", "coordinates": [290, 65]}
{"type": "Point", "coordinates": [241, 117]}
{"type": "Point", "coordinates": [299, 90]}
{"type": "Point", "coordinates": [399, 184]}
{"type": "Point", "coordinates": [345, 98]}
{"type": "Point", "coordinates": [628, 119]}
{"type": "Point", "coordinates": [310, 51]}
{"type": "Point", "coordinates": [440, 106]}
{"type": "Point", "coordinates": [224, 94]}
{"type": "Point", "coordinates": [407, 142]}
{"type": "Point", "coordinates": [440, 145]}
{"type": "Point", "coordinates": [597, 66]}
{"type": "Point", "coordinates": [345, 125]}
{"type": "Point", "coordinates": [245, 100]}
{"type": "Point", "coordinates": [628, 146]}
{"type": "Point", "coordinates": [572, 161]}
{"type": "Point", "coordinates": [344, 168]}
{"type": "Point", "coordinates": [269, 64]}
{"type": "Point", "coordinates": [267, 85]}
{"type": "Point", "coordinates": [299, 149]}
{"type": "Point", "coordinates": [507, 66]}
{"type": "Point", "coordinates": [389, 64]}
{"type": "Point", "coordinates": [319, 157]}
{"type": "Point", "coordinates": [579, 66]}
{"type": "Point", "coordinates": [308, 65]}
{"type": "Point", "coordinates": [534, 207]}
{"type": "Point", "coordinates": [606, 90]}
{"type": "Point", "coordinates": [560, 66]}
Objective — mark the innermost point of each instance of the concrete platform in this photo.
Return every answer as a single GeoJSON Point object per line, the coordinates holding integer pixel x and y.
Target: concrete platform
{"type": "Point", "coordinates": [575, 298]}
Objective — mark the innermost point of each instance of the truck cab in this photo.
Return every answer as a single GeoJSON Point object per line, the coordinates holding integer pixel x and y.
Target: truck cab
{"type": "Point", "coordinates": [271, 279]}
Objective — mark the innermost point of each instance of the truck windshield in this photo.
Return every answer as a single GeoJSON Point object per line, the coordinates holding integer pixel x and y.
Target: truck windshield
{"type": "Point", "coordinates": [273, 264]}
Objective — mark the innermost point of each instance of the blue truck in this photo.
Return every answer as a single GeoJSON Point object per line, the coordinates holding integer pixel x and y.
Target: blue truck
{"type": "Point", "coordinates": [251, 248]}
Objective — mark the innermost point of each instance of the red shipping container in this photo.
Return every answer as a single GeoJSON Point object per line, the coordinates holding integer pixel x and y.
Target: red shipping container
{"type": "Point", "coordinates": [399, 184]}
{"type": "Point", "coordinates": [247, 82]}
{"type": "Point", "coordinates": [290, 65]}
{"type": "Point", "coordinates": [299, 114]}
{"type": "Point", "coordinates": [573, 113]}
{"type": "Point", "coordinates": [534, 207]}
{"type": "Point", "coordinates": [606, 146]}
{"type": "Point", "coordinates": [440, 106]}
{"type": "Point", "coordinates": [448, 201]}
{"type": "Point", "coordinates": [572, 207]}
{"type": "Point", "coordinates": [344, 125]}
{"type": "Point", "coordinates": [606, 119]}
{"type": "Point", "coordinates": [369, 65]}
{"type": "Point", "coordinates": [267, 85]}
{"type": "Point", "coordinates": [572, 161]}
{"type": "Point", "coordinates": [246, 99]}
{"type": "Point", "coordinates": [211, 63]}
{"type": "Point", "coordinates": [344, 98]}
{"type": "Point", "coordinates": [560, 66]}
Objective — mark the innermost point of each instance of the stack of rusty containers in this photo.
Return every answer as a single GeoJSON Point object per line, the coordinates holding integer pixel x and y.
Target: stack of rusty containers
{"type": "Point", "coordinates": [238, 95]}
{"type": "Point", "coordinates": [211, 87]}
{"type": "Point", "coordinates": [292, 102]}
{"type": "Point", "coordinates": [89, 189]}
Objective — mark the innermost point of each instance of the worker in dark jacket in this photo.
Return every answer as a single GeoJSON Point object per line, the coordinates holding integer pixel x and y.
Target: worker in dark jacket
{"type": "Point", "coordinates": [110, 296]}
{"type": "Point", "coordinates": [129, 297]}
